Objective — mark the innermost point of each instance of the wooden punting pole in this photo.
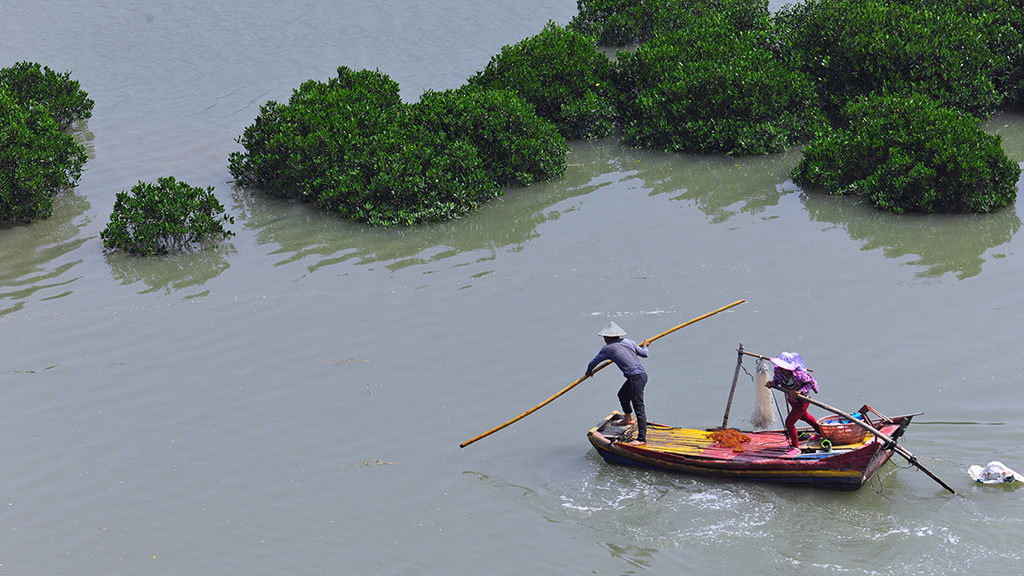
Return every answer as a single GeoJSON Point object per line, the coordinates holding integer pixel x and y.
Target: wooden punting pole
{"type": "Point", "coordinates": [598, 367]}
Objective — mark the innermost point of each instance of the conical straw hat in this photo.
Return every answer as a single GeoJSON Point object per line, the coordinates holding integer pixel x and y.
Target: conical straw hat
{"type": "Point", "coordinates": [612, 330]}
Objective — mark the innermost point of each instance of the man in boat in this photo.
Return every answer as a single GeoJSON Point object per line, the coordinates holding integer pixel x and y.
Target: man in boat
{"type": "Point", "coordinates": [791, 374]}
{"type": "Point", "coordinates": [626, 355]}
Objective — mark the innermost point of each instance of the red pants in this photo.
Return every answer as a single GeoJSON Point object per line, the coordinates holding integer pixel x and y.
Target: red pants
{"type": "Point", "coordinates": [798, 411]}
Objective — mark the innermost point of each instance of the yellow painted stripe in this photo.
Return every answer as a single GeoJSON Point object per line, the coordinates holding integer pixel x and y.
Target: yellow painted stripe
{"type": "Point", "coordinates": [681, 441]}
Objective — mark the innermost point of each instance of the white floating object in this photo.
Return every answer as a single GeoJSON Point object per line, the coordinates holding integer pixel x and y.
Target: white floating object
{"type": "Point", "coordinates": [994, 473]}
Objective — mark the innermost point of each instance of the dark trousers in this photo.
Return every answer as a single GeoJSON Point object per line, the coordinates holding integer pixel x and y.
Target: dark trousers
{"type": "Point", "coordinates": [632, 392]}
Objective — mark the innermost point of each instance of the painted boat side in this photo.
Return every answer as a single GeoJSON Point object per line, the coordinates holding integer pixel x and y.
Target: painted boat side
{"type": "Point", "coordinates": [690, 451]}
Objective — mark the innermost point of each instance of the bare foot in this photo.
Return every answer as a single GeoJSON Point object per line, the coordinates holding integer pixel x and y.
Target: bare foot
{"type": "Point", "coordinates": [636, 443]}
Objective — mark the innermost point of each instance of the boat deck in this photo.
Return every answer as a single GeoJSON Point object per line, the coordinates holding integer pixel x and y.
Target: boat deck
{"type": "Point", "coordinates": [691, 442]}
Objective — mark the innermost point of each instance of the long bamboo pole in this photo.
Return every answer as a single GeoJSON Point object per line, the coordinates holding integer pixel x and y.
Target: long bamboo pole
{"type": "Point", "coordinates": [598, 367]}
{"type": "Point", "coordinates": [697, 319]}
{"type": "Point", "coordinates": [888, 442]}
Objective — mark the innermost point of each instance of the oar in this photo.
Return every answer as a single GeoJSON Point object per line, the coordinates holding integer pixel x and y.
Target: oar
{"type": "Point", "coordinates": [581, 379]}
{"type": "Point", "coordinates": [889, 442]}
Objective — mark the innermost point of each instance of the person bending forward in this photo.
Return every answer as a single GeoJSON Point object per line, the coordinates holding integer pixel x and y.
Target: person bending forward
{"type": "Point", "coordinates": [792, 375]}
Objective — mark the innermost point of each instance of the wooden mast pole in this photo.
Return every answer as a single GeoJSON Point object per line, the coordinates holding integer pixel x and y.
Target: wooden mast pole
{"type": "Point", "coordinates": [735, 377]}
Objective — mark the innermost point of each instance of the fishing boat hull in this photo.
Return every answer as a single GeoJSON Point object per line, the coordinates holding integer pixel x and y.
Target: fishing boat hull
{"type": "Point", "coordinates": [763, 458]}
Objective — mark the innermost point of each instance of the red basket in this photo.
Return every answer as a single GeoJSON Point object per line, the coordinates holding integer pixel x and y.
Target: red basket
{"type": "Point", "coordinates": [839, 433]}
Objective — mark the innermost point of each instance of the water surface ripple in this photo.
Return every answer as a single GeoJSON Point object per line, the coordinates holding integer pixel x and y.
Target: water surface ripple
{"type": "Point", "coordinates": [291, 402]}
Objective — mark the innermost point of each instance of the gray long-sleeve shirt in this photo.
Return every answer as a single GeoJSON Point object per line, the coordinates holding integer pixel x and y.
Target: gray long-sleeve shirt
{"type": "Point", "coordinates": [624, 353]}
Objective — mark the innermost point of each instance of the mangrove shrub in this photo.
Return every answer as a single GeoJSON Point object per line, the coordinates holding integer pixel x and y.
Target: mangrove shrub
{"type": "Point", "coordinates": [1000, 24]}
{"type": "Point", "coordinates": [710, 87]}
{"type": "Point", "coordinates": [516, 147]}
{"type": "Point", "coordinates": [619, 22]}
{"type": "Point", "coordinates": [314, 143]}
{"type": "Point", "coordinates": [909, 154]}
{"type": "Point", "coordinates": [563, 75]}
{"type": "Point", "coordinates": [622, 22]}
{"type": "Point", "coordinates": [168, 216]}
{"type": "Point", "coordinates": [352, 146]}
{"type": "Point", "coordinates": [37, 160]}
{"type": "Point", "coordinates": [853, 48]}
{"type": "Point", "coordinates": [62, 96]}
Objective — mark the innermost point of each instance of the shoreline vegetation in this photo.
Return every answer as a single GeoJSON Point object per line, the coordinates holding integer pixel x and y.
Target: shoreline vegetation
{"type": "Point", "coordinates": [887, 96]}
{"type": "Point", "coordinates": [351, 145]}
{"type": "Point", "coordinates": [706, 76]}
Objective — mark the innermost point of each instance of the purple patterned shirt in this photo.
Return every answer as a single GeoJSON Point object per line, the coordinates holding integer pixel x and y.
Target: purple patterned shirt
{"type": "Point", "coordinates": [799, 381]}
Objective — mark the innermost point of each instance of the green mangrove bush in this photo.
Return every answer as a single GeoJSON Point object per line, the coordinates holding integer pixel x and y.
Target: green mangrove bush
{"type": "Point", "coordinates": [619, 22]}
{"type": "Point", "coordinates": [710, 87]}
{"type": "Point", "coordinates": [66, 101]}
{"type": "Point", "coordinates": [165, 217]}
{"type": "Point", "coordinates": [516, 147]}
{"type": "Point", "coordinates": [312, 144]}
{"type": "Point", "coordinates": [37, 160]}
{"type": "Point", "coordinates": [1001, 26]}
{"type": "Point", "coordinates": [563, 75]}
{"type": "Point", "coordinates": [853, 48]}
{"type": "Point", "coordinates": [622, 22]}
{"type": "Point", "coordinates": [909, 154]}
{"type": "Point", "coordinates": [352, 146]}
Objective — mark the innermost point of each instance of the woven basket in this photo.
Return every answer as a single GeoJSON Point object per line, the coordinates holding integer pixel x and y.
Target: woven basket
{"type": "Point", "coordinates": [839, 433]}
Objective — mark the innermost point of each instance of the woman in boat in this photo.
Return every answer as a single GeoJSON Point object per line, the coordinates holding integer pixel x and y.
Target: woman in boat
{"type": "Point", "coordinates": [791, 374]}
{"type": "Point", "coordinates": [626, 355]}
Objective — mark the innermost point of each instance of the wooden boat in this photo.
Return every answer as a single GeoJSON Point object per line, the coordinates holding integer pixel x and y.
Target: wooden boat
{"type": "Point", "coordinates": [845, 463]}
{"type": "Point", "coordinates": [841, 466]}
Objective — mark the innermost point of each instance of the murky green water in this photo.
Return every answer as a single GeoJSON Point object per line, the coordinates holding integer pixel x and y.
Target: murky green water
{"type": "Point", "coordinates": [292, 401]}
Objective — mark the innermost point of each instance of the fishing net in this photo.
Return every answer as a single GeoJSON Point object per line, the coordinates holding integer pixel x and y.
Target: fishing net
{"type": "Point", "coordinates": [763, 416]}
{"type": "Point", "coordinates": [730, 439]}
